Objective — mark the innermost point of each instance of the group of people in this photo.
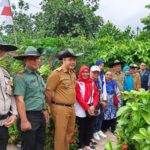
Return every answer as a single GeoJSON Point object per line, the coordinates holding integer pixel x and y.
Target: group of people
{"type": "Point", "coordinates": [91, 100]}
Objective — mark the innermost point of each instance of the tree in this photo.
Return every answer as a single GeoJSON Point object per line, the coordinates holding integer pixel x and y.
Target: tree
{"type": "Point", "coordinates": [68, 16]}
{"type": "Point", "coordinates": [146, 20]}
{"type": "Point", "coordinates": [74, 17]}
{"type": "Point", "coordinates": [110, 29]}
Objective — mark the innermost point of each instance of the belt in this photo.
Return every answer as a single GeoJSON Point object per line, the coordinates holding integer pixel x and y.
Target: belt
{"type": "Point", "coordinates": [34, 112]}
{"type": "Point", "coordinates": [2, 117]}
{"type": "Point", "coordinates": [61, 104]}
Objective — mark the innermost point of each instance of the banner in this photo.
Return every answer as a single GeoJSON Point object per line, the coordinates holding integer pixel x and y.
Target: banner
{"type": "Point", "coordinates": [5, 13]}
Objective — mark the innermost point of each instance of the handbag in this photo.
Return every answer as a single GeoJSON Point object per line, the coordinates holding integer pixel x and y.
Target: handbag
{"type": "Point", "coordinates": [115, 98]}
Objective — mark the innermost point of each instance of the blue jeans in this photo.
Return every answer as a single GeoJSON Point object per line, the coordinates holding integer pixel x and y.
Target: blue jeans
{"type": "Point", "coordinates": [99, 120]}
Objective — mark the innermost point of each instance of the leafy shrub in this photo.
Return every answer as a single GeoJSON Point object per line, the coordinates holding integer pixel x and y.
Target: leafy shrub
{"type": "Point", "coordinates": [134, 120]}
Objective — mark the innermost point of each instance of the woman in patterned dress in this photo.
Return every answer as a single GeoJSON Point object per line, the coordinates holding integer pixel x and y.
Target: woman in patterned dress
{"type": "Point", "coordinates": [111, 109]}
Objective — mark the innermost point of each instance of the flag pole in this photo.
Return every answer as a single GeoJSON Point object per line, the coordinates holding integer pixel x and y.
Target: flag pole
{"type": "Point", "coordinates": [14, 30]}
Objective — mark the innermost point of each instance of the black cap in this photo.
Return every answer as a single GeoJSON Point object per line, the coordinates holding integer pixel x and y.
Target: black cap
{"type": "Point", "coordinates": [68, 53]}
{"type": "Point", "coordinates": [7, 47]}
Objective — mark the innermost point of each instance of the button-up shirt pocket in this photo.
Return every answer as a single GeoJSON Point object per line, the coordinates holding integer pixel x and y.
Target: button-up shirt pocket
{"type": "Point", "coordinates": [66, 82]}
{"type": "Point", "coordinates": [8, 86]}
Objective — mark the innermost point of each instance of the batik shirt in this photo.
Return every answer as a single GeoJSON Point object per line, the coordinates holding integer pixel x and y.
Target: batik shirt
{"type": "Point", "coordinates": [111, 110]}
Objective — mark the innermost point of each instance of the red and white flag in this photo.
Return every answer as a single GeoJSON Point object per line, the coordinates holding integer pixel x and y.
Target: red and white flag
{"type": "Point", "coordinates": [5, 12]}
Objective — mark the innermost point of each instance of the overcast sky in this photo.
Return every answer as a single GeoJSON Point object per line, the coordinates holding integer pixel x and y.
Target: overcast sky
{"type": "Point", "coordinates": [124, 12]}
{"type": "Point", "coordinates": [120, 12]}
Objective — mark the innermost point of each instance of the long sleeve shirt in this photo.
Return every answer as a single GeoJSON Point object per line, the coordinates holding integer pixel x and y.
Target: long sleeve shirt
{"type": "Point", "coordinates": [80, 96]}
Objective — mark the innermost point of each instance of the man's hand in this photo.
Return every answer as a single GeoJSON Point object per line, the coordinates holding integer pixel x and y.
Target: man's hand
{"type": "Point", "coordinates": [25, 125]}
{"type": "Point", "coordinates": [9, 122]}
{"type": "Point", "coordinates": [46, 115]}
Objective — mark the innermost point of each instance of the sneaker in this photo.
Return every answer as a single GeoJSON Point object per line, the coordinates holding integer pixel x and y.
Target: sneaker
{"type": "Point", "coordinates": [96, 136]}
{"type": "Point", "coordinates": [19, 145]}
{"type": "Point", "coordinates": [88, 148]}
{"type": "Point", "coordinates": [92, 145]}
{"type": "Point", "coordinates": [93, 142]}
{"type": "Point", "coordinates": [101, 134]}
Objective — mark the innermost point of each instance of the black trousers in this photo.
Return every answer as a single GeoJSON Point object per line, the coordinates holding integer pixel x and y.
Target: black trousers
{"type": "Point", "coordinates": [109, 124]}
{"type": "Point", "coordinates": [85, 127]}
{"type": "Point", "coordinates": [3, 137]}
{"type": "Point", "coordinates": [34, 139]}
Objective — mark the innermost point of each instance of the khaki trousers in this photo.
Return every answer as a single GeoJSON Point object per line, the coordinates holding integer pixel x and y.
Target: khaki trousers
{"type": "Point", "coordinates": [64, 120]}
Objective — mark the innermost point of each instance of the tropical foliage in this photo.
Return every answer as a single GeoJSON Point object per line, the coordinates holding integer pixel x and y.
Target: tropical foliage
{"type": "Point", "coordinates": [133, 131]}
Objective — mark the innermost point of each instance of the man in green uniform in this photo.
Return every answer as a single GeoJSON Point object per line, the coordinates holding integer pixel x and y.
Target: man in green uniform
{"type": "Point", "coordinates": [118, 75]}
{"type": "Point", "coordinates": [8, 109]}
{"type": "Point", "coordinates": [60, 94]}
{"type": "Point", "coordinates": [30, 99]}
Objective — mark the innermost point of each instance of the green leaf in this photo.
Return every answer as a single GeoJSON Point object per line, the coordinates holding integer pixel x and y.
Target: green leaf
{"type": "Point", "coordinates": [138, 137]}
{"type": "Point", "coordinates": [136, 115]}
{"type": "Point", "coordinates": [123, 110]}
{"type": "Point", "coordinates": [146, 117]}
{"type": "Point", "coordinates": [143, 131]}
{"type": "Point", "coordinates": [146, 148]}
{"type": "Point", "coordinates": [134, 106]}
{"type": "Point", "coordinates": [122, 121]}
{"type": "Point", "coordinates": [108, 146]}
{"type": "Point", "coordinates": [148, 130]}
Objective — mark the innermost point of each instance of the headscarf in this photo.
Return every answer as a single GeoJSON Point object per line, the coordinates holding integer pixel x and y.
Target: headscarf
{"type": "Point", "coordinates": [129, 82]}
{"type": "Point", "coordinates": [82, 69]}
{"type": "Point", "coordinates": [101, 74]}
{"type": "Point", "coordinates": [99, 62]}
{"type": "Point", "coordinates": [88, 82]}
{"type": "Point", "coordinates": [125, 68]}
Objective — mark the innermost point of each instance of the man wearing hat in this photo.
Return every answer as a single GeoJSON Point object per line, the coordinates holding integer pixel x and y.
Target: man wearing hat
{"type": "Point", "coordinates": [8, 109]}
{"type": "Point", "coordinates": [29, 93]}
{"type": "Point", "coordinates": [136, 76]}
{"type": "Point", "coordinates": [118, 75]}
{"type": "Point", "coordinates": [60, 94]}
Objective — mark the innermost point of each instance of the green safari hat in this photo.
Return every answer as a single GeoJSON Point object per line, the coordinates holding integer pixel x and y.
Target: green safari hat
{"type": "Point", "coordinates": [134, 66]}
{"type": "Point", "coordinates": [7, 47]}
{"type": "Point", "coordinates": [30, 52]}
{"type": "Point", "coordinates": [116, 62]}
{"type": "Point", "coordinates": [68, 53]}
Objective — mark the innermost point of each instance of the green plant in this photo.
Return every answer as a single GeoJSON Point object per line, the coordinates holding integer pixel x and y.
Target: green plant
{"type": "Point", "coordinates": [134, 120]}
{"type": "Point", "coordinates": [14, 136]}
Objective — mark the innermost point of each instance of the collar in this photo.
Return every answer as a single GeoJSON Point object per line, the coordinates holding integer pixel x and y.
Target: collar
{"type": "Point", "coordinates": [142, 71]}
{"type": "Point", "coordinates": [28, 70]}
{"type": "Point", "coordinates": [118, 72]}
{"type": "Point", "coordinates": [66, 70]}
